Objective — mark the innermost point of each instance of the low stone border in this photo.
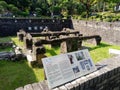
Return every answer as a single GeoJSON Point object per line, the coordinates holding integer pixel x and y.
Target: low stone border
{"type": "Point", "coordinates": [6, 44]}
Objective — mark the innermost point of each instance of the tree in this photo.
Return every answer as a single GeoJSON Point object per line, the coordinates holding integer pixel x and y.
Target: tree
{"type": "Point", "coordinates": [88, 4]}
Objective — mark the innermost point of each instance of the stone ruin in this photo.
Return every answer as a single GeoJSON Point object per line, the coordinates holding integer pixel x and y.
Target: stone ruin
{"type": "Point", "coordinates": [68, 40]}
{"type": "Point", "coordinates": [6, 44]}
{"type": "Point", "coordinates": [21, 34]}
{"type": "Point", "coordinates": [14, 55]}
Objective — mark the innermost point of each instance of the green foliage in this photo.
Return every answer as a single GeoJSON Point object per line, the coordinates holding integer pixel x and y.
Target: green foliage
{"type": "Point", "coordinates": [4, 4]}
{"type": "Point", "coordinates": [82, 8]}
{"type": "Point", "coordinates": [38, 11]}
{"type": "Point", "coordinates": [15, 10]}
{"type": "Point", "coordinates": [10, 6]}
{"type": "Point", "coordinates": [24, 14]}
{"type": "Point", "coordinates": [83, 15]}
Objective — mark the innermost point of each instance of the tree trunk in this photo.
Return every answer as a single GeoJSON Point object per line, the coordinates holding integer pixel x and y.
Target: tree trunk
{"type": "Point", "coordinates": [104, 5]}
{"type": "Point", "coordinates": [87, 10]}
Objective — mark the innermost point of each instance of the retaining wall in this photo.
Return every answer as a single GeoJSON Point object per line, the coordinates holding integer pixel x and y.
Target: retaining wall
{"type": "Point", "coordinates": [10, 26]}
{"type": "Point", "coordinates": [107, 77]}
{"type": "Point", "coordinates": [109, 31]}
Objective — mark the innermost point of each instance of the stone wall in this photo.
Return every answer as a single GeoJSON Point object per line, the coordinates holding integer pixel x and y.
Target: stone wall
{"type": "Point", "coordinates": [10, 26]}
{"type": "Point", "coordinates": [109, 31]}
{"type": "Point", "coordinates": [106, 77]}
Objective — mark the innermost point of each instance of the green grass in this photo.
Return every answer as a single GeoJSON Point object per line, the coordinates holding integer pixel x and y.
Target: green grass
{"type": "Point", "coordinates": [5, 49]}
{"type": "Point", "coordinates": [52, 51]}
{"type": "Point", "coordinates": [17, 42]}
{"type": "Point", "coordinates": [6, 39]}
{"type": "Point", "coordinates": [16, 74]}
{"type": "Point", "coordinates": [101, 51]}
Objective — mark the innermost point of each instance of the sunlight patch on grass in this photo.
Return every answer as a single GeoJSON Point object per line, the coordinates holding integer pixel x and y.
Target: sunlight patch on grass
{"type": "Point", "coordinates": [52, 51]}
{"type": "Point", "coordinates": [17, 42]}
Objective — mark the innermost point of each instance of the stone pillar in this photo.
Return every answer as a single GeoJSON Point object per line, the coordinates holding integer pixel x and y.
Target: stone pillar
{"type": "Point", "coordinates": [20, 36]}
{"type": "Point", "coordinates": [37, 54]}
{"type": "Point", "coordinates": [63, 47]}
{"type": "Point", "coordinates": [69, 45]}
{"type": "Point", "coordinates": [98, 40]}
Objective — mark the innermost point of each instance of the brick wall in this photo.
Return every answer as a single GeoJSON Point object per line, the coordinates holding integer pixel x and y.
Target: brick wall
{"type": "Point", "coordinates": [10, 26]}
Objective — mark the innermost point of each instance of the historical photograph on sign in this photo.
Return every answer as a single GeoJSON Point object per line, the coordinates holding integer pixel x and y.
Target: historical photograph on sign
{"type": "Point", "coordinates": [90, 62]}
{"type": "Point", "coordinates": [70, 56]}
{"type": "Point", "coordinates": [86, 65]}
{"type": "Point", "coordinates": [82, 65]}
{"type": "Point", "coordinates": [76, 69]}
{"type": "Point", "coordinates": [79, 56]}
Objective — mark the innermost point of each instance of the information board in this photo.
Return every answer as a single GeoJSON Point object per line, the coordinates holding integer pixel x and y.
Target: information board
{"type": "Point", "coordinates": [66, 67]}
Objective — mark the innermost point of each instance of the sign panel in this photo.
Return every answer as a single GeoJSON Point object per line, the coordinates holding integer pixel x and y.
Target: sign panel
{"type": "Point", "coordinates": [66, 67]}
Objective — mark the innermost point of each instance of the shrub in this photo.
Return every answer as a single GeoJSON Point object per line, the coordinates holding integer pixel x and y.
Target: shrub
{"type": "Point", "coordinates": [107, 19]}
{"type": "Point", "coordinates": [4, 4]}
{"type": "Point", "coordinates": [38, 11]}
{"type": "Point", "coordinates": [24, 14]}
{"type": "Point", "coordinates": [15, 10]}
{"type": "Point", "coordinates": [83, 15]}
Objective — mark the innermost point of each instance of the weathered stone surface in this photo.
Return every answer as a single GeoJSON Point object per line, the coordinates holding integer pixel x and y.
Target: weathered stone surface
{"type": "Point", "coordinates": [20, 88]}
{"type": "Point", "coordinates": [36, 86]}
{"type": "Point", "coordinates": [69, 86]}
{"type": "Point", "coordinates": [28, 87]}
{"type": "Point", "coordinates": [44, 85]}
{"type": "Point", "coordinates": [6, 44]}
{"type": "Point", "coordinates": [6, 55]}
{"type": "Point", "coordinates": [104, 29]}
{"type": "Point", "coordinates": [62, 88]}
{"type": "Point", "coordinates": [75, 85]}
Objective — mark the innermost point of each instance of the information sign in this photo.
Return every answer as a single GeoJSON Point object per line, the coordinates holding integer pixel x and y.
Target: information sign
{"type": "Point", "coordinates": [66, 67]}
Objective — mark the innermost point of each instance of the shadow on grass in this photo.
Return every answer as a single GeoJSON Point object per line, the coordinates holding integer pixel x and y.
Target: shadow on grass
{"type": "Point", "coordinates": [102, 45]}
{"type": "Point", "coordinates": [53, 51]}
{"type": "Point", "coordinates": [15, 74]}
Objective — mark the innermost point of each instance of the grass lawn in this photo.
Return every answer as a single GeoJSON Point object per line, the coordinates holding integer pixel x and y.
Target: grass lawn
{"type": "Point", "coordinates": [16, 74]}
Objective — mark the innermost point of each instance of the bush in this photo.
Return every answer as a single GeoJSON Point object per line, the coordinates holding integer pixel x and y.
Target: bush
{"type": "Point", "coordinates": [38, 11]}
{"type": "Point", "coordinates": [107, 19]}
{"type": "Point", "coordinates": [1, 9]}
{"type": "Point", "coordinates": [83, 15]}
{"type": "Point", "coordinates": [24, 14]}
{"type": "Point", "coordinates": [4, 4]}
{"type": "Point", "coordinates": [98, 19]}
{"type": "Point", "coordinates": [15, 10]}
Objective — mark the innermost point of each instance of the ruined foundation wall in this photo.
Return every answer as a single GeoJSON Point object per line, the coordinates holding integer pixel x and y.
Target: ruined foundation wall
{"type": "Point", "coordinates": [109, 31]}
